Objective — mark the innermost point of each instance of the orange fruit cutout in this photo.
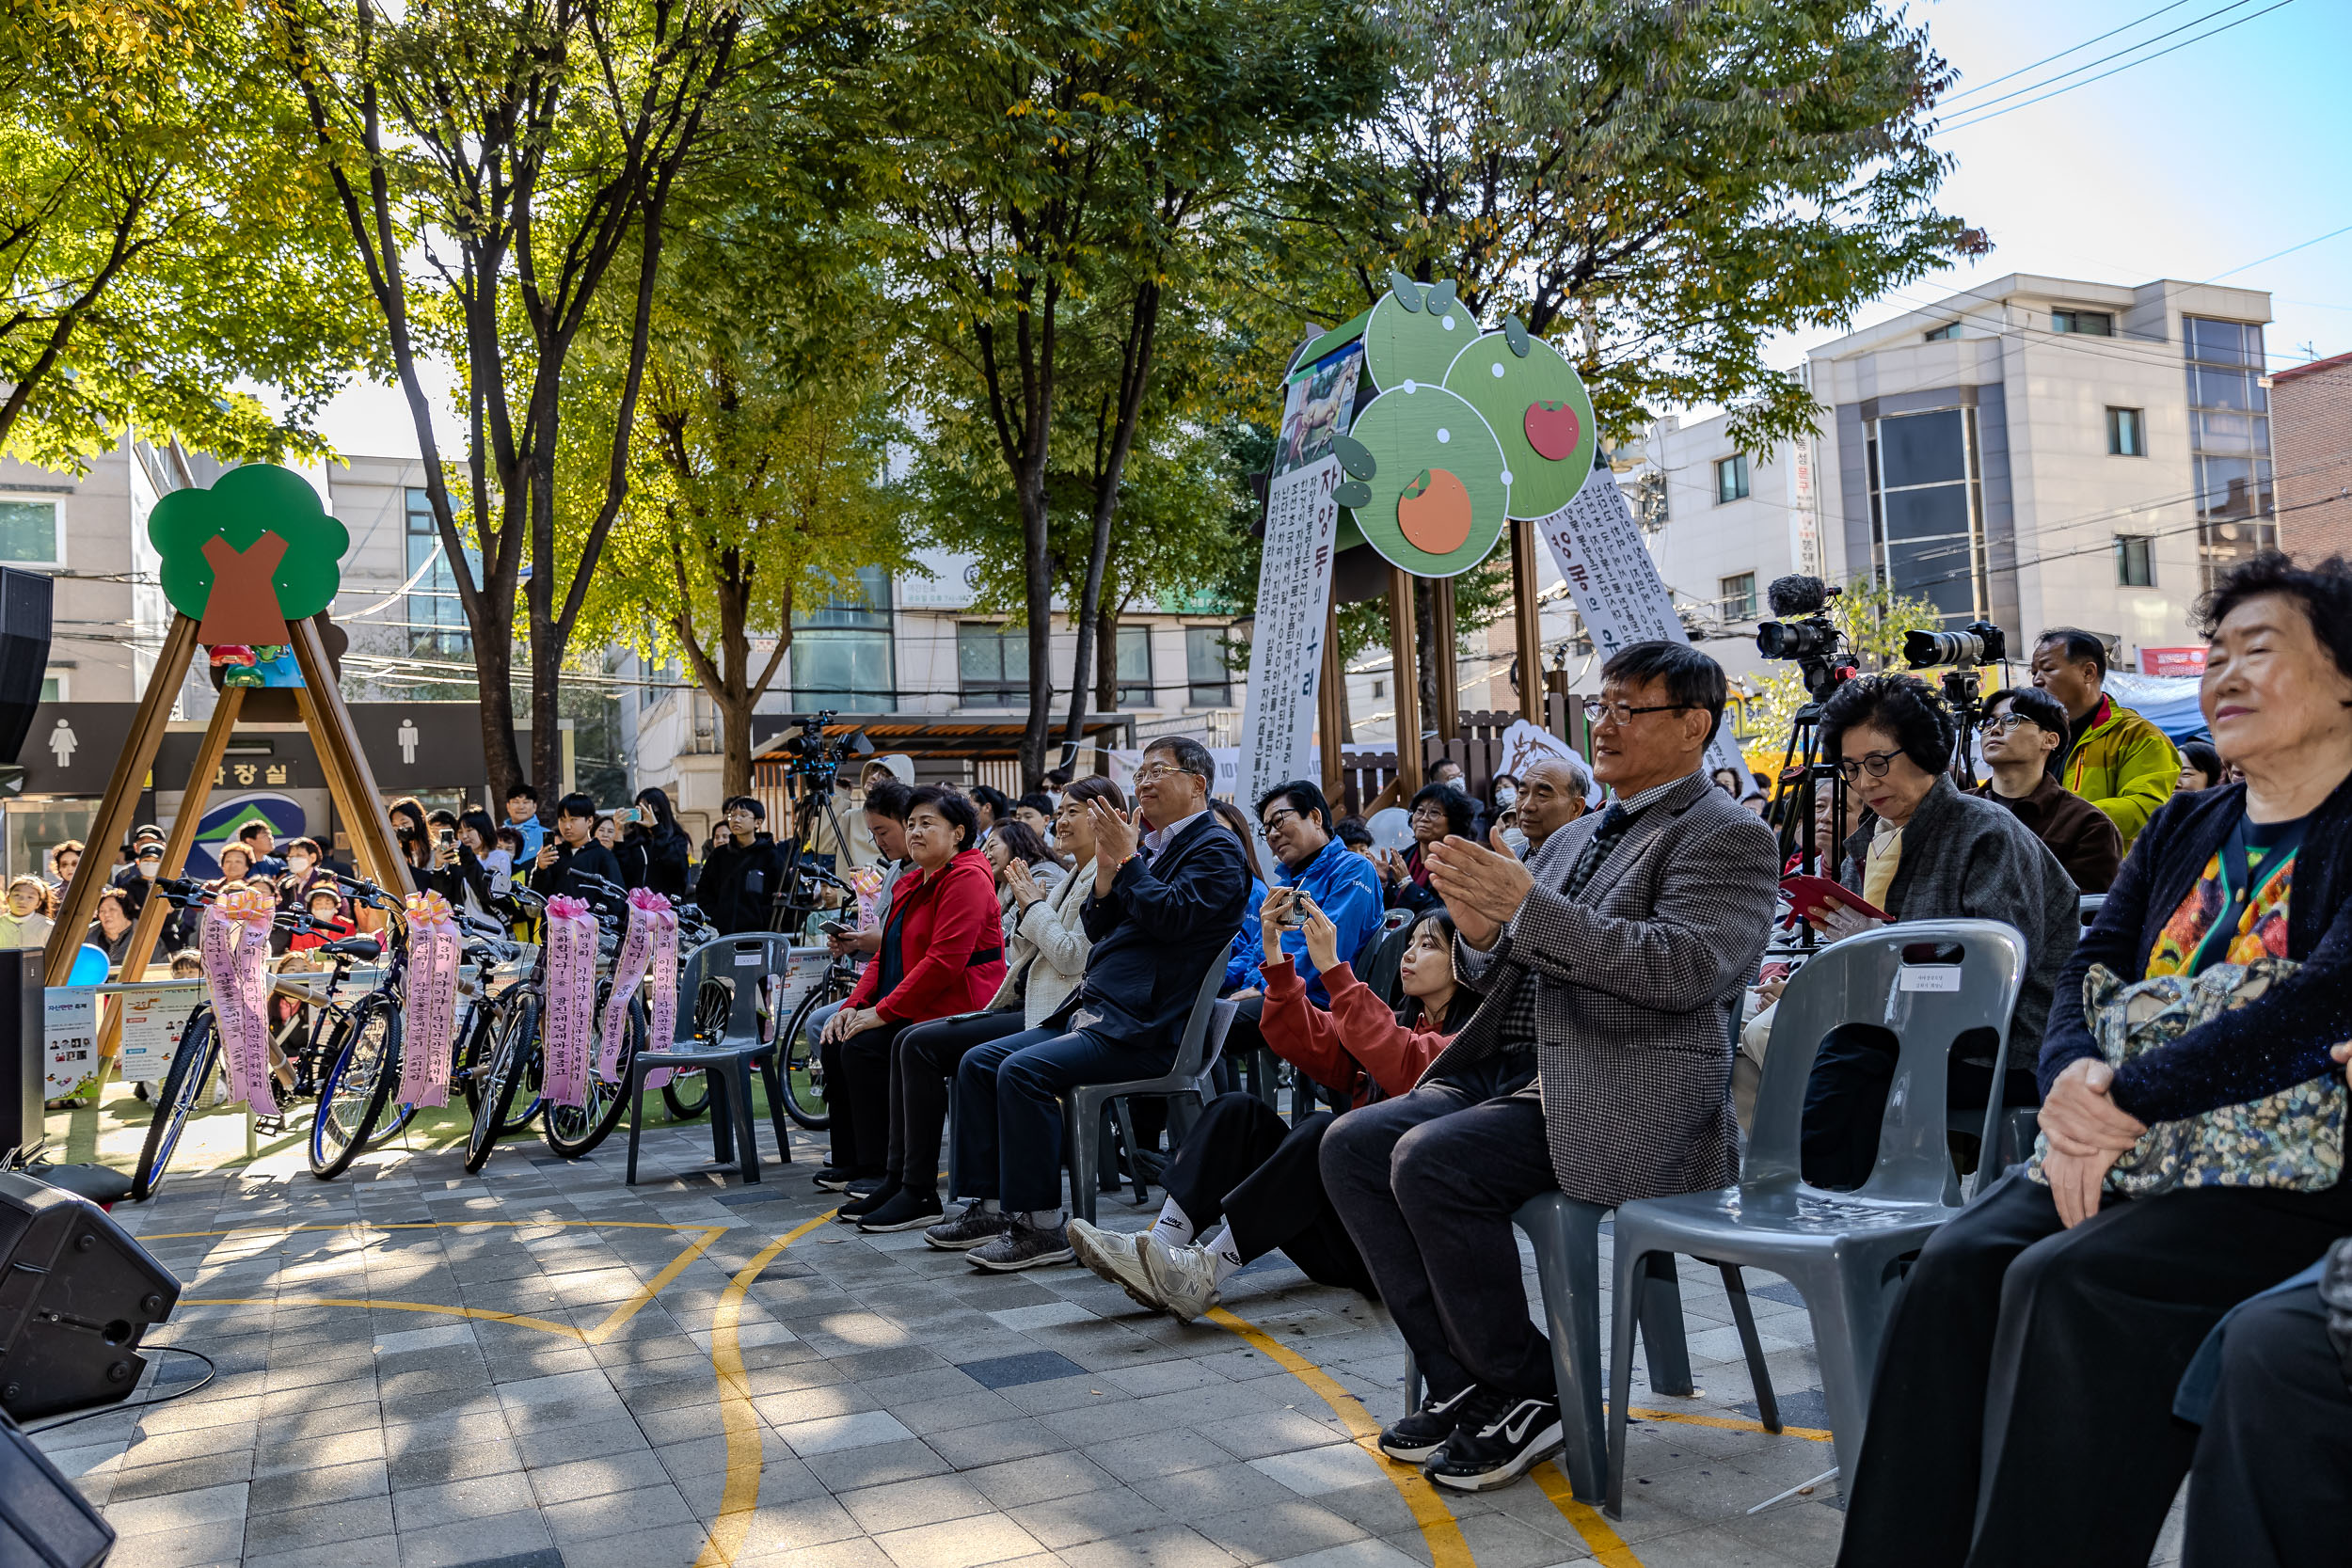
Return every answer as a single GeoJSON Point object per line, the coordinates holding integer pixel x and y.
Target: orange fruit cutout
{"type": "Point", "coordinates": [1552, 430]}
{"type": "Point", "coordinates": [1435, 513]}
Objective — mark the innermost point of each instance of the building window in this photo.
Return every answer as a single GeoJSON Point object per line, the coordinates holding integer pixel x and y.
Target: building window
{"type": "Point", "coordinates": [1738, 596]}
{"type": "Point", "coordinates": [1927, 509]}
{"type": "Point", "coordinates": [2127, 433]}
{"type": "Point", "coordinates": [2135, 561]}
{"type": "Point", "coordinates": [1943, 334]}
{"type": "Point", "coordinates": [2089, 324]}
{"type": "Point", "coordinates": [2229, 439]}
{"type": "Point", "coordinates": [1135, 667]}
{"type": "Point", "coordinates": [29, 534]}
{"type": "Point", "coordinates": [992, 664]}
{"type": "Point", "coordinates": [53, 687]}
{"type": "Point", "coordinates": [1212, 684]}
{"type": "Point", "coordinates": [436, 618]}
{"type": "Point", "coordinates": [841, 652]}
{"type": "Point", "coordinates": [1731, 477]}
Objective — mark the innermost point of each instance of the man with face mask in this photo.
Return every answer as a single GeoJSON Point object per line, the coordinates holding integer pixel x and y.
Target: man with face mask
{"type": "Point", "coordinates": [134, 880]}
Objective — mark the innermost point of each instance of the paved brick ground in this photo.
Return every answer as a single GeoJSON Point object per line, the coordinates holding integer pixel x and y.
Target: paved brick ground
{"type": "Point", "coordinates": [542, 1368]}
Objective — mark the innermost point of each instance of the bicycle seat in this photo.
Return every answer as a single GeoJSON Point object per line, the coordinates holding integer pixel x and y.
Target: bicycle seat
{"type": "Point", "coordinates": [353, 947]}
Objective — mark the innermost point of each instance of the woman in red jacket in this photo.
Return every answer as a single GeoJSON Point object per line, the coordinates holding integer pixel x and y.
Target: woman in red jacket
{"type": "Point", "coordinates": [1242, 1162]}
{"type": "Point", "coordinates": [943, 952]}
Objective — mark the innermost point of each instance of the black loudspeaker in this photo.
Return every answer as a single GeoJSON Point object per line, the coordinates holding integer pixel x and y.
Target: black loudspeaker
{"type": "Point", "coordinates": [25, 598]}
{"type": "Point", "coordinates": [44, 1522]}
{"type": "Point", "coordinates": [23, 1075]}
{"type": "Point", "coordinates": [76, 1296]}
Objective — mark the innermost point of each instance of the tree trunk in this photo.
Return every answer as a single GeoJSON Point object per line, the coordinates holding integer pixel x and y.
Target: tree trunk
{"type": "Point", "coordinates": [1135, 374]}
{"type": "Point", "coordinates": [1107, 639]}
{"type": "Point", "coordinates": [494, 673]}
{"type": "Point", "coordinates": [734, 744]}
{"type": "Point", "coordinates": [1038, 600]}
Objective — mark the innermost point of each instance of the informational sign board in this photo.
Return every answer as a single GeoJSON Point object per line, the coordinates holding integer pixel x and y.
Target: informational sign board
{"type": "Point", "coordinates": [70, 1029]}
{"type": "Point", "coordinates": [1615, 585]}
{"type": "Point", "coordinates": [2173, 663]}
{"type": "Point", "coordinates": [152, 1019]}
{"type": "Point", "coordinates": [1294, 573]}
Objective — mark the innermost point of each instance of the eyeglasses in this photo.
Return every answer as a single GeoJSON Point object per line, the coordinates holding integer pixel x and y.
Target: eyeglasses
{"type": "Point", "coordinates": [1873, 763]}
{"type": "Point", "coordinates": [1158, 771]}
{"type": "Point", "coordinates": [2001, 723]}
{"type": "Point", "coordinates": [1600, 710]}
{"type": "Point", "coordinates": [1282, 814]}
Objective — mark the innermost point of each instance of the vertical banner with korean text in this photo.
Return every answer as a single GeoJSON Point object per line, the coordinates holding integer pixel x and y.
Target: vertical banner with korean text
{"type": "Point", "coordinates": [1295, 574]}
{"type": "Point", "coordinates": [1614, 580]}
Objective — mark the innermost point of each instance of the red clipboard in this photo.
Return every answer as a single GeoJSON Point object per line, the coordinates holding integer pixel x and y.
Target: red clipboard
{"type": "Point", "coordinates": [1807, 893]}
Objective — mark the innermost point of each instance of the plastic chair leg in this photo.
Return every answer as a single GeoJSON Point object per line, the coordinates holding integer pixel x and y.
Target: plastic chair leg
{"type": "Point", "coordinates": [1081, 1134]}
{"type": "Point", "coordinates": [1743, 1316]}
{"type": "Point", "coordinates": [739, 1091]}
{"type": "Point", "coordinates": [721, 1115]}
{"type": "Point", "coordinates": [636, 1119]}
{"type": "Point", "coordinates": [772, 1079]}
{"type": "Point", "coordinates": [1669, 1356]}
{"type": "Point", "coordinates": [1567, 1260]}
{"type": "Point", "coordinates": [1630, 1267]}
{"type": "Point", "coordinates": [1129, 1150]}
{"type": "Point", "coordinates": [1848, 1313]}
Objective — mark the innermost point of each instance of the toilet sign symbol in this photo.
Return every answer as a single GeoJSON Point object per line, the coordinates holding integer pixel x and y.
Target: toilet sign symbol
{"type": "Point", "coordinates": [62, 744]}
{"type": "Point", "coordinates": [406, 736]}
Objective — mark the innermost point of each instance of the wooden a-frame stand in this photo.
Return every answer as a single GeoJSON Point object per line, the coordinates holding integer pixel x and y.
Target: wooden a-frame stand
{"type": "Point", "coordinates": [350, 783]}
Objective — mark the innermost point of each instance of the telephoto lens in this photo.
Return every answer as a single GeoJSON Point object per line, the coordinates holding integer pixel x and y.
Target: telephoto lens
{"type": "Point", "coordinates": [1978, 643]}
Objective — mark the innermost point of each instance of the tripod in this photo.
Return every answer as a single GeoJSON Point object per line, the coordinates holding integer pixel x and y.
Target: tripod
{"type": "Point", "coordinates": [793, 905]}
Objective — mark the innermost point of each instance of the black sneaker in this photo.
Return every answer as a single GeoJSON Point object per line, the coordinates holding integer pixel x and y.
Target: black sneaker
{"type": "Point", "coordinates": [1024, 1246]}
{"type": "Point", "coordinates": [862, 1204]}
{"type": "Point", "coordinates": [1500, 1438]}
{"type": "Point", "coordinates": [1423, 1432]}
{"type": "Point", "coordinates": [969, 1229]}
{"type": "Point", "coordinates": [905, 1209]}
{"type": "Point", "coordinates": [836, 1179]}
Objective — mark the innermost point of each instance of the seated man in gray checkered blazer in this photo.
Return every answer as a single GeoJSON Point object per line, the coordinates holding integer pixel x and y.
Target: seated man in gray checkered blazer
{"type": "Point", "coordinates": [1598, 1064]}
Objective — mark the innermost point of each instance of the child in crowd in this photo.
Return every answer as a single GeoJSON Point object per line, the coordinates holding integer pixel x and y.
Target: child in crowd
{"type": "Point", "coordinates": [325, 906]}
{"type": "Point", "coordinates": [187, 964]}
{"type": "Point", "coordinates": [26, 919]}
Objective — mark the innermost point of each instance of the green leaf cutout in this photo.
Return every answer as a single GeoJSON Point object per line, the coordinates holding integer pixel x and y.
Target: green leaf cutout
{"type": "Point", "coordinates": [1353, 494]}
{"type": "Point", "coordinates": [1354, 458]}
{"type": "Point", "coordinates": [1515, 334]}
{"type": "Point", "coordinates": [1407, 292]}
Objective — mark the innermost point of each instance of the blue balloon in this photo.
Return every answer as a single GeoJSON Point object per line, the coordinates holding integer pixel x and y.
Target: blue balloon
{"type": "Point", "coordinates": [89, 967]}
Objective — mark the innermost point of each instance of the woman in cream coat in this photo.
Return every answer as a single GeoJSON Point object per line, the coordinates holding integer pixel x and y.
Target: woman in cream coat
{"type": "Point", "coordinates": [1043, 963]}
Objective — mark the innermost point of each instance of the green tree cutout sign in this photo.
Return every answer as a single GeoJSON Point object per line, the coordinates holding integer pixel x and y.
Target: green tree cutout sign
{"type": "Point", "coordinates": [248, 555]}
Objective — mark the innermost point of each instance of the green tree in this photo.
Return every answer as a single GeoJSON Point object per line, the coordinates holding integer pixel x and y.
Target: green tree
{"type": "Point", "coordinates": [507, 171]}
{"type": "Point", "coordinates": [1078, 156]}
{"type": "Point", "coordinates": [165, 243]}
{"type": "Point", "coordinates": [1658, 188]}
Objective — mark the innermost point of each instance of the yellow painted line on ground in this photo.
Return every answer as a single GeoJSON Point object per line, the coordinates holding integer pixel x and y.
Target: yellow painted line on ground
{"type": "Point", "coordinates": [486, 1314]}
{"type": "Point", "coordinates": [739, 1497]}
{"type": "Point", "coordinates": [650, 1289]}
{"type": "Point", "coordinates": [1729, 1423]}
{"type": "Point", "coordinates": [1447, 1549]}
{"type": "Point", "coordinates": [1608, 1548]}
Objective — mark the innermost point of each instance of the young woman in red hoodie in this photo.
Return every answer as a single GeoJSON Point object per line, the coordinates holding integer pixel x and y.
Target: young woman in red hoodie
{"type": "Point", "coordinates": [1242, 1163]}
{"type": "Point", "coordinates": [943, 952]}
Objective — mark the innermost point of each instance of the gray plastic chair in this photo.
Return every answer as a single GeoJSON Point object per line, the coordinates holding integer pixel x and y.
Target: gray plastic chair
{"type": "Point", "coordinates": [1082, 1107]}
{"type": "Point", "coordinates": [743, 964]}
{"type": "Point", "coordinates": [1841, 1250]}
{"type": "Point", "coordinates": [1566, 1236]}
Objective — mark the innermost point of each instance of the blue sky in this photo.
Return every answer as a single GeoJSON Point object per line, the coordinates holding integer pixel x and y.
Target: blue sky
{"type": "Point", "coordinates": [2222, 153]}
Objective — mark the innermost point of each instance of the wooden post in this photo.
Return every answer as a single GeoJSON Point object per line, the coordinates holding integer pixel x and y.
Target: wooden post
{"type": "Point", "coordinates": [1332, 705]}
{"type": "Point", "coordinates": [176, 845]}
{"type": "Point", "coordinates": [1447, 720]}
{"type": "Point", "coordinates": [1405, 666]}
{"type": "Point", "coordinates": [120, 803]}
{"type": "Point", "coordinates": [1527, 622]}
{"type": "Point", "coordinates": [349, 779]}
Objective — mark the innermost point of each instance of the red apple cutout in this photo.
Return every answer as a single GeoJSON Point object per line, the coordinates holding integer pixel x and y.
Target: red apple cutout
{"type": "Point", "coordinates": [1552, 430]}
{"type": "Point", "coordinates": [1435, 512]}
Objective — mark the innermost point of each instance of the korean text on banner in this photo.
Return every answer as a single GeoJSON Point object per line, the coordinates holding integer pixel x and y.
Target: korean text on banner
{"type": "Point", "coordinates": [1615, 584]}
{"type": "Point", "coordinates": [152, 1019]}
{"type": "Point", "coordinates": [1295, 574]}
{"type": "Point", "coordinates": [69, 1027]}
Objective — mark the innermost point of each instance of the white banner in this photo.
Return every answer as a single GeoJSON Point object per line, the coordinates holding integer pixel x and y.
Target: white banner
{"type": "Point", "coordinates": [1302, 522]}
{"type": "Point", "coordinates": [152, 1019]}
{"type": "Point", "coordinates": [1614, 580]}
{"type": "Point", "coordinates": [70, 1025]}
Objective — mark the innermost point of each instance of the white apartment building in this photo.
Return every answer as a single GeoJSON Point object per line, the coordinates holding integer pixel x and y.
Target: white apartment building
{"type": "Point", "coordinates": [2039, 452]}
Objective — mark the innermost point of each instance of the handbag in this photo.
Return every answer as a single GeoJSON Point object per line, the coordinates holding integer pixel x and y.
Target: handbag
{"type": "Point", "coordinates": [2292, 1139]}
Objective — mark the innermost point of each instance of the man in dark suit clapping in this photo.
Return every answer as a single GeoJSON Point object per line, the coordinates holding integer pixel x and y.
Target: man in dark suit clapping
{"type": "Point", "coordinates": [1170, 888]}
{"type": "Point", "coordinates": [1598, 1063]}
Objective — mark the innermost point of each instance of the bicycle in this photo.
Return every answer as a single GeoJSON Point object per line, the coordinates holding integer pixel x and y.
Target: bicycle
{"type": "Point", "coordinates": [356, 1089]}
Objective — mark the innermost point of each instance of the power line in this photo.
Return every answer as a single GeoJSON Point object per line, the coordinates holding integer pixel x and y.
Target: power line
{"type": "Point", "coordinates": [2087, 65]}
{"type": "Point", "coordinates": [2276, 254]}
{"type": "Point", "coordinates": [2086, 43]}
{"type": "Point", "coordinates": [1980, 119]}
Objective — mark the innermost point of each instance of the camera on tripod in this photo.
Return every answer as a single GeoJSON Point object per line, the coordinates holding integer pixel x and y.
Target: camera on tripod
{"type": "Point", "coordinates": [1976, 643]}
{"type": "Point", "coordinates": [816, 756]}
{"type": "Point", "coordinates": [1805, 633]}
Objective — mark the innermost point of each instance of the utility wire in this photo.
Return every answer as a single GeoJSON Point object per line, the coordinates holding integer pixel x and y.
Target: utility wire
{"type": "Point", "coordinates": [1980, 119]}
{"type": "Point", "coordinates": [2086, 43]}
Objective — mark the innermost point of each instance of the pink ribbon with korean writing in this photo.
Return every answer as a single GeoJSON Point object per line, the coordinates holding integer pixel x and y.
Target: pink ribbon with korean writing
{"type": "Point", "coordinates": [236, 954]}
{"type": "Point", "coordinates": [571, 999]}
{"type": "Point", "coordinates": [434, 952]}
{"type": "Point", "coordinates": [651, 941]}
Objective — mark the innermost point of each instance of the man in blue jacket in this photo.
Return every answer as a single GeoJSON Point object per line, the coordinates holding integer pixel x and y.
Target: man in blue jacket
{"type": "Point", "coordinates": [1170, 888]}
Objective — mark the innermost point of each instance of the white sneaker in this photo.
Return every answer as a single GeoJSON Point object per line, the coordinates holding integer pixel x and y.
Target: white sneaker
{"type": "Point", "coordinates": [1184, 1277]}
{"type": "Point", "coordinates": [1113, 1255]}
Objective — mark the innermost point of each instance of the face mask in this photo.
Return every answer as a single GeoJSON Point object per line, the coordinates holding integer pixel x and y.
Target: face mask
{"type": "Point", "coordinates": [151, 869]}
{"type": "Point", "coordinates": [299, 864]}
{"type": "Point", "coordinates": [1517, 840]}
{"type": "Point", "coordinates": [1459, 784]}
{"type": "Point", "coordinates": [1506, 797]}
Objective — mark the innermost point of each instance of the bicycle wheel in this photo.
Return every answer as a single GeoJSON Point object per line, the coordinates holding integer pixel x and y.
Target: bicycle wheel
{"type": "Point", "coordinates": [804, 1072]}
{"type": "Point", "coordinates": [688, 1092]}
{"type": "Point", "coordinates": [356, 1089]}
{"type": "Point", "coordinates": [573, 1131]}
{"type": "Point", "coordinates": [514, 1044]}
{"type": "Point", "coordinates": [191, 1070]}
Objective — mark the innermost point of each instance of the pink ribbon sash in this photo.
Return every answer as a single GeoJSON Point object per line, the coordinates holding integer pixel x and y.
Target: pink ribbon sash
{"type": "Point", "coordinates": [434, 952]}
{"type": "Point", "coordinates": [235, 946]}
{"type": "Point", "coordinates": [571, 999]}
{"type": "Point", "coordinates": [650, 942]}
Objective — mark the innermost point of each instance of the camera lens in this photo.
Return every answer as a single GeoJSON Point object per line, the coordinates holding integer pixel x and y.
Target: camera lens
{"type": "Point", "coordinates": [1794, 640]}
